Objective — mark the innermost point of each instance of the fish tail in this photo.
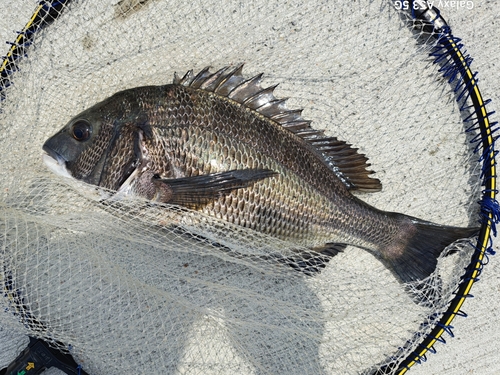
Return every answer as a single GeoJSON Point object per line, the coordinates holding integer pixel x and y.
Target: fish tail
{"type": "Point", "coordinates": [413, 255]}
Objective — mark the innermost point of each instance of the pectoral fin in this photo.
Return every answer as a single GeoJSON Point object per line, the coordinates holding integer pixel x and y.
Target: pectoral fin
{"type": "Point", "coordinates": [199, 190]}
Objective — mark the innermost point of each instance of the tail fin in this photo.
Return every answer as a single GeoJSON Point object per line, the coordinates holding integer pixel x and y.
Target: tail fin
{"type": "Point", "coordinates": [415, 257]}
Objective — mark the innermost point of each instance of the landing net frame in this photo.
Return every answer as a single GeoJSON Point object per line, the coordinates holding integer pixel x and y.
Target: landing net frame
{"type": "Point", "coordinates": [455, 66]}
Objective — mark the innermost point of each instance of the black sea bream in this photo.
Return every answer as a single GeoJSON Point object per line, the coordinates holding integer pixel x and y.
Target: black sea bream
{"type": "Point", "coordinates": [223, 145]}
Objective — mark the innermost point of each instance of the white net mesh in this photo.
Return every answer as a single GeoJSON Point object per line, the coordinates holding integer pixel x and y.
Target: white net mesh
{"type": "Point", "coordinates": [129, 291]}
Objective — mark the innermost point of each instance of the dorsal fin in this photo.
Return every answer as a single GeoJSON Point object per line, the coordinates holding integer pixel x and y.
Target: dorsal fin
{"type": "Point", "coordinates": [345, 161]}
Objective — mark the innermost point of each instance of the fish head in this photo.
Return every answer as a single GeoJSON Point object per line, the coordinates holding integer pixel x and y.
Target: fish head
{"type": "Point", "coordinates": [99, 146]}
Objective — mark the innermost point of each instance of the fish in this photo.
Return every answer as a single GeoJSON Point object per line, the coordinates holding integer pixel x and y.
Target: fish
{"type": "Point", "coordinates": [221, 144]}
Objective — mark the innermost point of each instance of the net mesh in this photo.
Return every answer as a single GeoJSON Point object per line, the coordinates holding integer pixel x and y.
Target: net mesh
{"type": "Point", "coordinates": [130, 286]}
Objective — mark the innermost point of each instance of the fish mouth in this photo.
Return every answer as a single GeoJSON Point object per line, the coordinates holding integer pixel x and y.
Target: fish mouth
{"type": "Point", "coordinates": [55, 162]}
{"type": "Point", "coordinates": [53, 154]}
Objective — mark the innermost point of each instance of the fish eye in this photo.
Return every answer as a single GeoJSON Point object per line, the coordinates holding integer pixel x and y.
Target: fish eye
{"type": "Point", "coordinates": [82, 130]}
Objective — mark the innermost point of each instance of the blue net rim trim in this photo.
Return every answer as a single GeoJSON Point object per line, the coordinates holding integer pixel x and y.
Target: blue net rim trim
{"type": "Point", "coordinates": [455, 67]}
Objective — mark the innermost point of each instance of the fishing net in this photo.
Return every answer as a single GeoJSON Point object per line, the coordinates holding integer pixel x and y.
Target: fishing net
{"type": "Point", "coordinates": [127, 286]}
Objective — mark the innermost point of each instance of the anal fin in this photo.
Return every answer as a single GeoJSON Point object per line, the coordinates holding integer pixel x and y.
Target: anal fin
{"type": "Point", "coordinates": [314, 262]}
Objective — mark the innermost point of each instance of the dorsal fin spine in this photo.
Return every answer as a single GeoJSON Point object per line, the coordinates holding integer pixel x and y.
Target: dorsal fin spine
{"type": "Point", "coordinates": [200, 78]}
{"type": "Point", "coordinates": [288, 116]}
{"type": "Point", "coordinates": [263, 97]}
{"type": "Point", "coordinates": [344, 160]}
{"type": "Point", "coordinates": [231, 80]}
{"type": "Point", "coordinates": [248, 88]}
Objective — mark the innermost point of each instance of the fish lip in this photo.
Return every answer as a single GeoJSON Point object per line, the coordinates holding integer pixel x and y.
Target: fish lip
{"type": "Point", "coordinates": [54, 155]}
{"type": "Point", "coordinates": [55, 162]}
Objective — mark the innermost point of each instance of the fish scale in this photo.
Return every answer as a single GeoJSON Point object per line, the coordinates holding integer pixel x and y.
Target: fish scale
{"type": "Point", "coordinates": [221, 144]}
{"type": "Point", "coordinates": [262, 202]}
{"type": "Point", "coordinates": [245, 133]}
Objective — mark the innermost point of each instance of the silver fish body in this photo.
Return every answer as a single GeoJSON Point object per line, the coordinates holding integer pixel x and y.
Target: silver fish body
{"type": "Point", "coordinates": [221, 144]}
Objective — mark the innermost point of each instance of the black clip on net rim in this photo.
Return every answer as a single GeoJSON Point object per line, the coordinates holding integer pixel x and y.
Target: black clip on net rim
{"type": "Point", "coordinates": [39, 356]}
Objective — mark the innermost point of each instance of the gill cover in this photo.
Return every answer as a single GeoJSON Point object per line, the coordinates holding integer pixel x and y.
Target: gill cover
{"type": "Point", "coordinates": [100, 145]}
